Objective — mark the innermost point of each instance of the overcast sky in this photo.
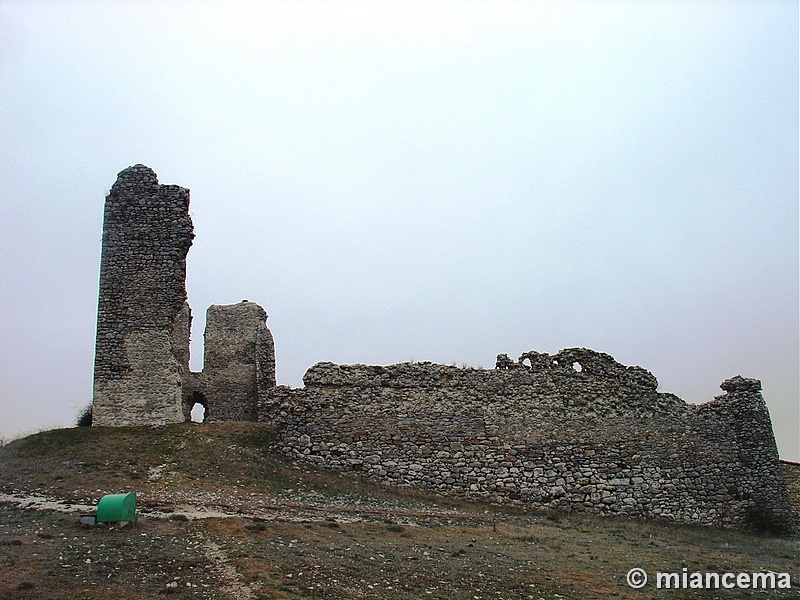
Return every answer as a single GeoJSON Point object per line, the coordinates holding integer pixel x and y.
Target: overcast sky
{"type": "Point", "coordinates": [437, 181]}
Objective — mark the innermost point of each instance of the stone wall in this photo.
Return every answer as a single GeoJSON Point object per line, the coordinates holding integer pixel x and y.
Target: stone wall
{"type": "Point", "coordinates": [791, 475]}
{"type": "Point", "coordinates": [573, 431]}
{"type": "Point", "coordinates": [239, 363]}
{"type": "Point", "coordinates": [576, 430]}
{"type": "Point", "coordinates": [142, 344]}
{"type": "Point", "coordinates": [141, 373]}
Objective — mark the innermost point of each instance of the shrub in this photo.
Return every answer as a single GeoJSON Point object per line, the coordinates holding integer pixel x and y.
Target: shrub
{"type": "Point", "coordinates": [85, 417]}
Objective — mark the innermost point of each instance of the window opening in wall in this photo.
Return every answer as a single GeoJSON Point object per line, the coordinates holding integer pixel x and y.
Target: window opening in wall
{"type": "Point", "coordinates": [577, 366]}
{"type": "Point", "coordinates": [198, 413]}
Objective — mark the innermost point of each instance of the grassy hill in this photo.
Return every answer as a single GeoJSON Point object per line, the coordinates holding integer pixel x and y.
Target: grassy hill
{"type": "Point", "coordinates": [223, 517]}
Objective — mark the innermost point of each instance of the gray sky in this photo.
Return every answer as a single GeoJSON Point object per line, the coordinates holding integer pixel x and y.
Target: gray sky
{"type": "Point", "coordinates": [436, 181]}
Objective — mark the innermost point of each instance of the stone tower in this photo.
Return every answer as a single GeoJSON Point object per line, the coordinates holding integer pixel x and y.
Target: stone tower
{"type": "Point", "coordinates": [239, 361]}
{"type": "Point", "coordinates": [142, 346]}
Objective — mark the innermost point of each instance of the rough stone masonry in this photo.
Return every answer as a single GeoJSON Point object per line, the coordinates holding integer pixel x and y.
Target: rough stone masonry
{"type": "Point", "coordinates": [572, 431]}
{"type": "Point", "coordinates": [141, 372]}
{"type": "Point", "coordinates": [238, 365]}
{"type": "Point", "coordinates": [576, 430]}
{"type": "Point", "coordinates": [142, 349]}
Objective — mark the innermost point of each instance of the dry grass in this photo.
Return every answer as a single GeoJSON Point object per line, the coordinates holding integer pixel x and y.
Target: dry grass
{"type": "Point", "coordinates": [303, 533]}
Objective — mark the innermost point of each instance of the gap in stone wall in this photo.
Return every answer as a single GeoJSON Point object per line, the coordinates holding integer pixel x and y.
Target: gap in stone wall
{"type": "Point", "coordinates": [199, 410]}
{"type": "Point", "coordinates": [198, 413]}
{"type": "Point", "coordinates": [196, 345]}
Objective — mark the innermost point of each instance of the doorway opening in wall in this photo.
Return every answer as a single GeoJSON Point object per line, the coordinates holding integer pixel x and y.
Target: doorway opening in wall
{"type": "Point", "coordinates": [199, 411]}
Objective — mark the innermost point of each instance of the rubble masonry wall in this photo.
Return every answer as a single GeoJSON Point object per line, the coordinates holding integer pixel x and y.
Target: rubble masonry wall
{"type": "Point", "coordinates": [142, 344]}
{"type": "Point", "coordinates": [239, 361]}
{"type": "Point", "coordinates": [574, 431]}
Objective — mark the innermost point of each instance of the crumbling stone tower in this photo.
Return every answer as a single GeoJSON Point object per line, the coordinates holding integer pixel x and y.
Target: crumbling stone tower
{"type": "Point", "coordinates": [238, 366]}
{"type": "Point", "coordinates": [141, 370]}
{"type": "Point", "coordinates": [142, 346]}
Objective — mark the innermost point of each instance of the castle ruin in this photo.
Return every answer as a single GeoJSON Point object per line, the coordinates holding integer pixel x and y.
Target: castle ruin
{"type": "Point", "coordinates": [142, 347]}
{"type": "Point", "coordinates": [141, 367]}
{"type": "Point", "coordinates": [576, 430]}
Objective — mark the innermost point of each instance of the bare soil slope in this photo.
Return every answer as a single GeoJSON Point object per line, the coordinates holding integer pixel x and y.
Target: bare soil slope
{"type": "Point", "coordinates": [222, 517]}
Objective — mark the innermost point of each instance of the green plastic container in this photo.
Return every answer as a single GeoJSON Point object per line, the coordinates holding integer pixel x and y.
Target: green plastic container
{"type": "Point", "coordinates": [117, 507]}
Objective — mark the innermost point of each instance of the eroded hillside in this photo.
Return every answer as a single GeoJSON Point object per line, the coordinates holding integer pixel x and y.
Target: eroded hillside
{"type": "Point", "coordinates": [223, 517]}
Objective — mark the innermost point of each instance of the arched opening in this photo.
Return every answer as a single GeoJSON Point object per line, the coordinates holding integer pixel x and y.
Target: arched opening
{"type": "Point", "coordinates": [198, 411]}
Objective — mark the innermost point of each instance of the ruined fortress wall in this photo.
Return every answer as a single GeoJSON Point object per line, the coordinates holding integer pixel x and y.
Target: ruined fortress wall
{"type": "Point", "coordinates": [142, 344]}
{"type": "Point", "coordinates": [791, 475]}
{"type": "Point", "coordinates": [574, 431]}
{"type": "Point", "coordinates": [239, 361]}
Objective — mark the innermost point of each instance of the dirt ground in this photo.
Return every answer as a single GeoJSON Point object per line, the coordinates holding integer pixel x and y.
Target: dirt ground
{"type": "Point", "coordinates": [221, 517]}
